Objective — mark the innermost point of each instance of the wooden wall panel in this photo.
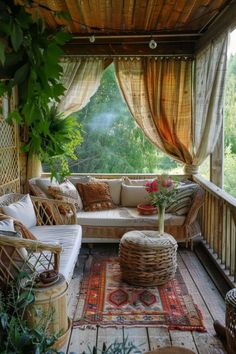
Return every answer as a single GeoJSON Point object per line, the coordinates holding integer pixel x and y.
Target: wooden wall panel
{"type": "Point", "coordinates": [9, 149]}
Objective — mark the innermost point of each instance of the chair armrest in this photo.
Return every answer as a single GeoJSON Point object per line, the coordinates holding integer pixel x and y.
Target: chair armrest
{"type": "Point", "coordinates": [23, 255]}
{"type": "Point", "coordinates": [197, 202]}
{"type": "Point", "coordinates": [48, 212]}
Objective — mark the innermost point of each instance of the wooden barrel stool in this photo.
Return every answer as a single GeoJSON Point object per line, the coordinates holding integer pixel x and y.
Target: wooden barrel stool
{"type": "Point", "coordinates": [147, 258]}
{"type": "Point", "coordinates": [51, 299]}
{"type": "Point", "coordinates": [230, 320]}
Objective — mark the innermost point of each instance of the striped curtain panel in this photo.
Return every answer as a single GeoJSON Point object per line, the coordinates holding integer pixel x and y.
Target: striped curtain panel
{"type": "Point", "coordinates": [178, 103]}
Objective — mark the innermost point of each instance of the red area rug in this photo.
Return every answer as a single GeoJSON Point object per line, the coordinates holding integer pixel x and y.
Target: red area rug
{"type": "Point", "coordinates": [107, 301]}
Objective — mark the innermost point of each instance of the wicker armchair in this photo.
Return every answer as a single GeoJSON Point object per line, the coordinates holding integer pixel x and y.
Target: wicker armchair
{"type": "Point", "coordinates": [36, 256]}
{"type": "Point", "coordinates": [40, 256]}
{"type": "Point", "coordinates": [47, 210]}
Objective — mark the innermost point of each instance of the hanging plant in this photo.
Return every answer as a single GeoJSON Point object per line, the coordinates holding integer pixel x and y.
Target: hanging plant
{"type": "Point", "coordinates": [30, 54]}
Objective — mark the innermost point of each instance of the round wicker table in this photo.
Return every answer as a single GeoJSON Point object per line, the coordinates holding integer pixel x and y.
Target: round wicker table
{"type": "Point", "coordinates": [147, 258]}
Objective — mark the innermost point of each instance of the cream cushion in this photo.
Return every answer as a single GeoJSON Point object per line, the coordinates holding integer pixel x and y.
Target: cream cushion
{"type": "Point", "coordinates": [22, 210]}
{"type": "Point", "coordinates": [135, 182]}
{"type": "Point", "coordinates": [124, 217]}
{"type": "Point", "coordinates": [44, 183]}
{"type": "Point", "coordinates": [69, 237]}
{"type": "Point", "coordinates": [131, 195]}
{"type": "Point", "coordinates": [68, 190]}
{"type": "Point", "coordinates": [114, 187]}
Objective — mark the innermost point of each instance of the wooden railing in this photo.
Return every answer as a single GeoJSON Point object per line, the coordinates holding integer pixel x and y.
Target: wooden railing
{"type": "Point", "coordinates": [218, 223]}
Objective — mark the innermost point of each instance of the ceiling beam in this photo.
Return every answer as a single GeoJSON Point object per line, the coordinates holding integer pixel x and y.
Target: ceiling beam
{"type": "Point", "coordinates": [227, 20]}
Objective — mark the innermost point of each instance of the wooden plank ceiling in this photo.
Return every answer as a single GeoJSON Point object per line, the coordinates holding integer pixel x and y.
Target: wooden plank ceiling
{"type": "Point", "coordinates": [126, 26]}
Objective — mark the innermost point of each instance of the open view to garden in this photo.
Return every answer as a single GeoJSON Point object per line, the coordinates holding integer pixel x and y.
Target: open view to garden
{"type": "Point", "coordinates": [113, 143]}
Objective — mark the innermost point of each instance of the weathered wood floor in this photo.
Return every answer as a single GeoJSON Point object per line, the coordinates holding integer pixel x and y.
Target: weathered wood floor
{"type": "Point", "coordinates": [200, 286]}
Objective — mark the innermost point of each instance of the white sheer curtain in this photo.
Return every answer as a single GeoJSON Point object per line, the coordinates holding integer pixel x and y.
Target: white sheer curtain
{"type": "Point", "coordinates": [81, 78]}
{"type": "Point", "coordinates": [210, 73]}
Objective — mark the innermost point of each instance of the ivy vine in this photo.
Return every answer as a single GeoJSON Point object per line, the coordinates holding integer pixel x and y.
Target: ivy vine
{"type": "Point", "coordinates": [29, 59]}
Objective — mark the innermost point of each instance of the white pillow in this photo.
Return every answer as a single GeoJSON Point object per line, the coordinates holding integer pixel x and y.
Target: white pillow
{"type": "Point", "coordinates": [7, 225]}
{"type": "Point", "coordinates": [23, 211]}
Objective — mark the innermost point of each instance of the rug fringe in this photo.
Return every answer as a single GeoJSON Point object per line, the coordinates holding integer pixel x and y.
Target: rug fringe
{"type": "Point", "coordinates": [83, 326]}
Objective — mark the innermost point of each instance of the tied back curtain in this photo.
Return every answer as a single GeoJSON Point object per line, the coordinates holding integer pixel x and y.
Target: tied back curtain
{"type": "Point", "coordinates": [210, 73]}
{"type": "Point", "coordinates": [159, 95]}
{"type": "Point", "coordinates": [81, 78]}
{"type": "Point", "coordinates": [179, 110]}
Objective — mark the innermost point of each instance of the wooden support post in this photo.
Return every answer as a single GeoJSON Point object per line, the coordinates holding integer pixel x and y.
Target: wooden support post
{"type": "Point", "coordinates": [217, 162]}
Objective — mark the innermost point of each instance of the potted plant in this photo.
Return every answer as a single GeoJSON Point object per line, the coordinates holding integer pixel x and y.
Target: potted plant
{"type": "Point", "coordinates": [15, 334]}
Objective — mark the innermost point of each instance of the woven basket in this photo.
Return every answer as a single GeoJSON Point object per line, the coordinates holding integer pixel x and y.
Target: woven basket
{"type": "Point", "coordinates": [147, 258]}
{"type": "Point", "coordinates": [230, 320]}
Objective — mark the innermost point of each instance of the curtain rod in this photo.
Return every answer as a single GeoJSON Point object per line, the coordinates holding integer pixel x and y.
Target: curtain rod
{"type": "Point", "coordinates": [186, 55]}
{"type": "Point", "coordinates": [161, 35]}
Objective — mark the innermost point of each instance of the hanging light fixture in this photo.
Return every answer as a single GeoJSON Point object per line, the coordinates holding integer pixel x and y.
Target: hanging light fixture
{"type": "Point", "coordinates": [92, 39]}
{"type": "Point", "coordinates": [152, 44]}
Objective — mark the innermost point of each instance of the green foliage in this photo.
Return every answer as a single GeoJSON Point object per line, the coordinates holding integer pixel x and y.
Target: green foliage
{"type": "Point", "coordinates": [126, 347]}
{"type": "Point", "coordinates": [112, 141]}
{"type": "Point", "coordinates": [54, 141]}
{"type": "Point", "coordinates": [30, 54]}
{"type": "Point", "coordinates": [230, 128]}
{"type": "Point", "coordinates": [16, 337]}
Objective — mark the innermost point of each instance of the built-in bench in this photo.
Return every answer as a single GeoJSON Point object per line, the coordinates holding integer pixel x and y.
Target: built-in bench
{"type": "Point", "coordinates": [109, 225]}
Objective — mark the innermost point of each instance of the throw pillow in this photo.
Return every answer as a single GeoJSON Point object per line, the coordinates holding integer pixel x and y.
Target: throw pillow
{"type": "Point", "coordinates": [44, 183]}
{"type": "Point", "coordinates": [95, 196]}
{"type": "Point", "coordinates": [114, 186]}
{"type": "Point", "coordinates": [68, 190]}
{"type": "Point", "coordinates": [183, 200]}
{"type": "Point", "coordinates": [9, 252]}
{"type": "Point", "coordinates": [7, 225]}
{"type": "Point", "coordinates": [36, 191]}
{"type": "Point", "coordinates": [135, 182]}
{"type": "Point", "coordinates": [23, 211]}
{"type": "Point", "coordinates": [131, 196]}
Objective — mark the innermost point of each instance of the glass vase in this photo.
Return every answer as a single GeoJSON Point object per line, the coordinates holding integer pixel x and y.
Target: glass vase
{"type": "Point", "coordinates": [161, 218]}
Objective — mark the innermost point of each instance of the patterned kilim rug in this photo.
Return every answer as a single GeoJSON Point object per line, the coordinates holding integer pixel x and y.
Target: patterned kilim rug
{"type": "Point", "coordinates": [106, 301]}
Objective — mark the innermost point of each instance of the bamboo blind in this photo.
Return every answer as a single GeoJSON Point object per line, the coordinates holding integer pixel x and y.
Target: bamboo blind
{"type": "Point", "coordinates": [9, 149]}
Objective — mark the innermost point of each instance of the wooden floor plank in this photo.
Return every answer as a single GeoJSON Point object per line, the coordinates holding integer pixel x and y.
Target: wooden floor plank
{"type": "Point", "coordinates": [158, 337]}
{"type": "Point", "coordinates": [138, 336]}
{"type": "Point", "coordinates": [183, 339]}
{"type": "Point", "coordinates": [108, 336]}
{"type": "Point", "coordinates": [211, 295]}
{"type": "Point", "coordinates": [82, 339]}
{"type": "Point", "coordinates": [208, 344]}
{"type": "Point", "coordinates": [73, 292]}
{"type": "Point", "coordinates": [196, 295]}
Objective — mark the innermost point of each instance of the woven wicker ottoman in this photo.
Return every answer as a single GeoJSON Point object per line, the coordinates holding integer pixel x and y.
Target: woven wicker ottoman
{"type": "Point", "coordinates": [147, 258]}
{"type": "Point", "coordinates": [230, 320]}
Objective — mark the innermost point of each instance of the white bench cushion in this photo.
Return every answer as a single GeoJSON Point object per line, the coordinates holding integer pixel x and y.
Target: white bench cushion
{"type": "Point", "coordinates": [126, 217]}
{"type": "Point", "coordinates": [69, 237]}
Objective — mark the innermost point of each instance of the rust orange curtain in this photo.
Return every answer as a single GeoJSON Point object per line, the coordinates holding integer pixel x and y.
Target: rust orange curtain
{"type": "Point", "coordinates": [169, 93]}
{"type": "Point", "coordinates": [178, 103]}
{"type": "Point", "coordinates": [159, 95]}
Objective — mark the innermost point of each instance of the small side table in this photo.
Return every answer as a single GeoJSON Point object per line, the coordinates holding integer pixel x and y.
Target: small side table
{"type": "Point", "coordinates": [51, 298]}
{"type": "Point", "coordinates": [147, 258]}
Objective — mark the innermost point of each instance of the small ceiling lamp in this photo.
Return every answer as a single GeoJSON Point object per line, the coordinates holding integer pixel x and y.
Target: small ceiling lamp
{"type": "Point", "coordinates": [92, 39]}
{"type": "Point", "coordinates": [152, 44]}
